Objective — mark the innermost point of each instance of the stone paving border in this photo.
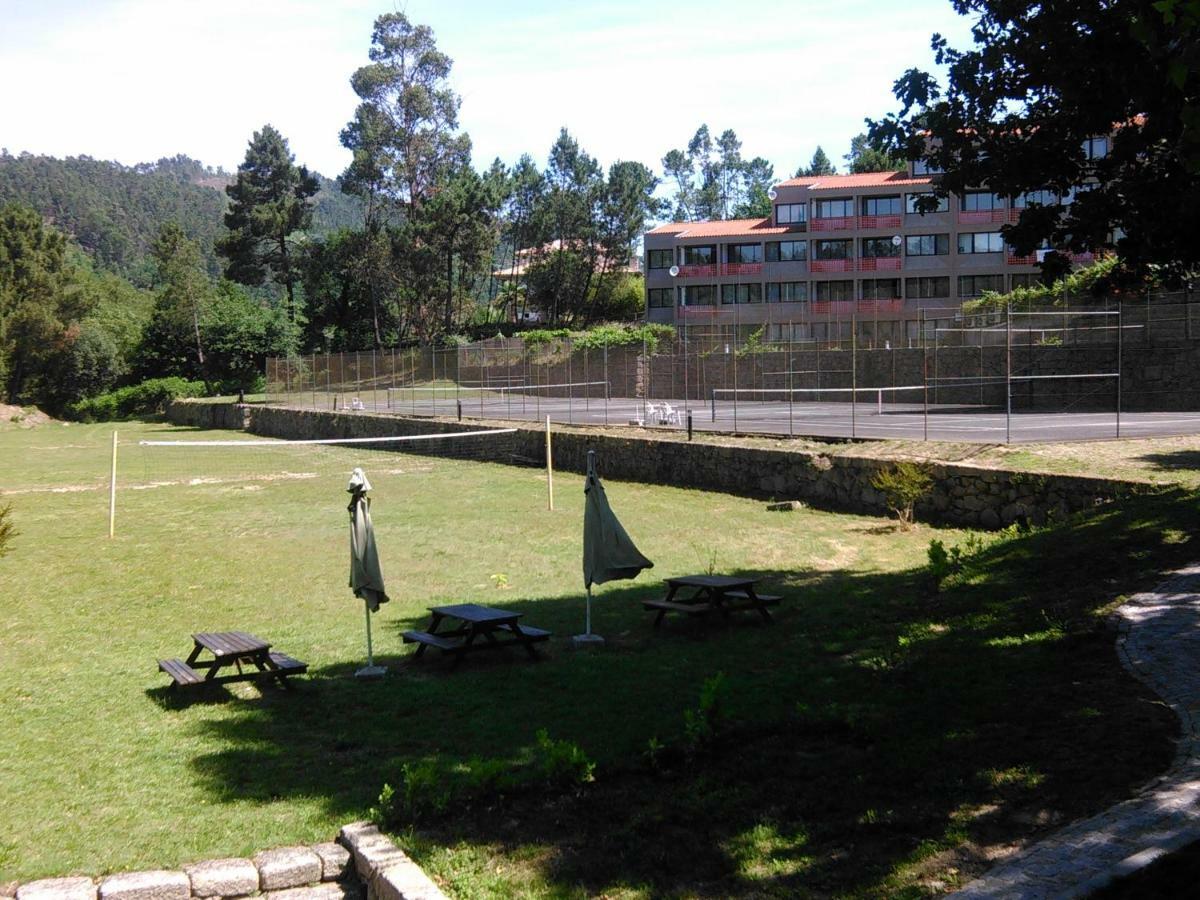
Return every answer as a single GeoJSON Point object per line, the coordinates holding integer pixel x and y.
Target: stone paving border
{"type": "Point", "coordinates": [1159, 642]}
{"type": "Point", "coordinates": [327, 871]}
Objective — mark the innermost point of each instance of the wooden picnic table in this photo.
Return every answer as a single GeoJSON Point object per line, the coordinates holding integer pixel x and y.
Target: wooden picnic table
{"type": "Point", "coordinates": [711, 593]}
{"type": "Point", "coordinates": [467, 623]}
{"type": "Point", "coordinates": [230, 648]}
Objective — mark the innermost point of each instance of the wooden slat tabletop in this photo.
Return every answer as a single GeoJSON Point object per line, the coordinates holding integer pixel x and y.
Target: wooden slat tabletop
{"type": "Point", "coordinates": [230, 643]}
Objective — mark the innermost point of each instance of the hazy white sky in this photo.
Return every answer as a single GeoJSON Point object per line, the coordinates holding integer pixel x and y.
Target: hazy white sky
{"type": "Point", "coordinates": [134, 80]}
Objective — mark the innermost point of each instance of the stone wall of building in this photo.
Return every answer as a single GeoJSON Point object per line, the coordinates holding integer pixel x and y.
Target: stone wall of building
{"type": "Point", "coordinates": [962, 494]}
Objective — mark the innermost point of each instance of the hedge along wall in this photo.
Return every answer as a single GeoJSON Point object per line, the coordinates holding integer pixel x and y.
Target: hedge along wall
{"type": "Point", "coordinates": [962, 495]}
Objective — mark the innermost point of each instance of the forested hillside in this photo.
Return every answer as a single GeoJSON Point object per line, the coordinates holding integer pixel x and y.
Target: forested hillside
{"type": "Point", "coordinates": [116, 212]}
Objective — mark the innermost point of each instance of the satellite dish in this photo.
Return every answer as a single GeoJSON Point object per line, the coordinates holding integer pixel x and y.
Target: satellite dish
{"type": "Point", "coordinates": [772, 193]}
{"type": "Point", "coordinates": [674, 270]}
{"type": "Point", "coordinates": [895, 240]}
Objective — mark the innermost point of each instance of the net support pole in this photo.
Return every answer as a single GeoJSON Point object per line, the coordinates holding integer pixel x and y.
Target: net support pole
{"type": "Point", "coordinates": [112, 491]}
{"type": "Point", "coordinates": [1008, 374]}
{"type": "Point", "coordinates": [853, 377]}
{"type": "Point", "coordinates": [549, 469]}
{"type": "Point", "coordinates": [1120, 331]}
{"type": "Point", "coordinates": [714, 404]}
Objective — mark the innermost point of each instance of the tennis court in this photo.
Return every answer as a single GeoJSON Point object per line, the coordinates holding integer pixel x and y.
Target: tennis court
{"type": "Point", "coordinates": [976, 412]}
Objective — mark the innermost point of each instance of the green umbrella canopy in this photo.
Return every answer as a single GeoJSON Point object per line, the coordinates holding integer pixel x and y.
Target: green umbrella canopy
{"type": "Point", "coordinates": [366, 577]}
{"type": "Point", "coordinates": [608, 552]}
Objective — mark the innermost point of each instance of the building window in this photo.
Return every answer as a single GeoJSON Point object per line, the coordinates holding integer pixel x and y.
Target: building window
{"type": "Point", "coordinates": [660, 298]}
{"type": "Point", "coordinates": [744, 253]}
{"type": "Point", "coordinates": [698, 295]}
{"type": "Point", "coordinates": [975, 285]}
{"type": "Point", "coordinates": [1027, 280]}
{"type": "Point", "coordinates": [981, 201]}
{"type": "Point", "coordinates": [830, 209]}
{"type": "Point", "coordinates": [881, 206]}
{"type": "Point", "coordinates": [881, 288]}
{"type": "Point", "coordinates": [702, 255]}
{"type": "Point", "coordinates": [833, 290]}
{"type": "Point", "coordinates": [791, 213]}
{"type": "Point", "coordinates": [1035, 198]}
{"type": "Point", "coordinates": [787, 292]}
{"type": "Point", "coordinates": [741, 293]}
{"type": "Point", "coordinates": [981, 242]}
{"type": "Point", "coordinates": [1095, 148]}
{"type": "Point", "coordinates": [659, 259]}
{"type": "Point", "coordinates": [925, 167]}
{"type": "Point", "coordinates": [927, 245]}
{"type": "Point", "coordinates": [943, 203]}
{"type": "Point", "coordinates": [831, 249]}
{"type": "Point", "coordinates": [787, 251]}
{"type": "Point", "coordinates": [927, 288]}
{"type": "Point", "coordinates": [873, 248]}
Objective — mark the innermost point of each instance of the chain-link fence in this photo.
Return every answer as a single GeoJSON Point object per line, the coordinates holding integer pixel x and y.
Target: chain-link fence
{"type": "Point", "coordinates": [1069, 371]}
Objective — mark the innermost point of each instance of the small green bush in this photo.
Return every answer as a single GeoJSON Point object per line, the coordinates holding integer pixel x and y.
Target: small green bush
{"type": "Point", "coordinates": [945, 562]}
{"type": "Point", "coordinates": [7, 531]}
{"type": "Point", "coordinates": [704, 724]}
{"type": "Point", "coordinates": [561, 764]}
{"type": "Point", "coordinates": [902, 485]}
{"type": "Point", "coordinates": [146, 399]}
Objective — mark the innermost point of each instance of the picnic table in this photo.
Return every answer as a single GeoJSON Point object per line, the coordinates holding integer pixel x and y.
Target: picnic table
{"type": "Point", "coordinates": [227, 649]}
{"type": "Point", "coordinates": [467, 623]}
{"type": "Point", "coordinates": [711, 593]}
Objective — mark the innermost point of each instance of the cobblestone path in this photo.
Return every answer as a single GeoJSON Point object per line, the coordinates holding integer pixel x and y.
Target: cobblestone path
{"type": "Point", "coordinates": [1159, 642]}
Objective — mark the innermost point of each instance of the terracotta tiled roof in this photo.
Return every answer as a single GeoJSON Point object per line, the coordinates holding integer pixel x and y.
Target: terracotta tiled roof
{"type": "Point", "coordinates": [866, 179]}
{"type": "Point", "coordinates": [726, 228]}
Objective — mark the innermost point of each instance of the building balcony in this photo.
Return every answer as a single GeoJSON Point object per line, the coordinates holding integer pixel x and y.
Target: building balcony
{"type": "Point", "coordinates": [834, 307]}
{"type": "Point", "coordinates": [698, 271]}
{"type": "Point", "coordinates": [831, 265]}
{"type": "Point", "coordinates": [834, 223]}
{"type": "Point", "coordinates": [879, 221]}
{"type": "Point", "coordinates": [1033, 259]}
{"type": "Point", "coordinates": [890, 305]}
{"type": "Point", "coordinates": [1013, 260]}
{"type": "Point", "coordinates": [880, 264]}
{"type": "Point", "coordinates": [988, 216]}
{"type": "Point", "coordinates": [741, 268]}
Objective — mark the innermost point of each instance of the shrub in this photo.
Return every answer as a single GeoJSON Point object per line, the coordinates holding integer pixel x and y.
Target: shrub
{"type": "Point", "coordinates": [145, 399]}
{"type": "Point", "coordinates": [902, 485]}
{"type": "Point", "coordinates": [561, 764]}
{"type": "Point", "coordinates": [7, 531]}
{"type": "Point", "coordinates": [702, 725]}
{"type": "Point", "coordinates": [945, 562]}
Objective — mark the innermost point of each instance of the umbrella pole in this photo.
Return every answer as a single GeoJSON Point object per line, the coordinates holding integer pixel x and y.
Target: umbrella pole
{"type": "Point", "coordinates": [588, 625]}
{"type": "Point", "coordinates": [370, 653]}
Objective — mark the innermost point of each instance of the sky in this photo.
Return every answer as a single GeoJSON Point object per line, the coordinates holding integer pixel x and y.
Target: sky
{"type": "Point", "coordinates": [136, 80]}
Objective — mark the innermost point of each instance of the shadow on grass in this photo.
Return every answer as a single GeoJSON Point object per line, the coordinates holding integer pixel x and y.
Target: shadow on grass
{"type": "Point", "coordinates": [876, 735]}
{"type": "Point", "coordinates": [1174, 461]}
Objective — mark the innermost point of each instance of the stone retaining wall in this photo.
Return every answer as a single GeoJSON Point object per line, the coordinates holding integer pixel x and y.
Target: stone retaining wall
{"type": "Point", "coordinates": [962, 494]}
{"type": "Point", "coordinates": [361, 863]}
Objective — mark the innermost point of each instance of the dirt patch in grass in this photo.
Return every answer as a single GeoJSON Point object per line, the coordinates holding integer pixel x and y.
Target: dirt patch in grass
{"type": "Point", "coordinates": [22, 416]}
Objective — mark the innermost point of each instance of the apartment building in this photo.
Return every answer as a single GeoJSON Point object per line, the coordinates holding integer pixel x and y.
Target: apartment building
{"type": "Point", "coordinates": [841, 248]}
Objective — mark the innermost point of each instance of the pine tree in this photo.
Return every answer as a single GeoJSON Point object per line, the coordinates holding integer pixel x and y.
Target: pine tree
{"type": "Point", "coordinates": [269, 203]}
{"type": "Point", "coordinates": [820, 165]}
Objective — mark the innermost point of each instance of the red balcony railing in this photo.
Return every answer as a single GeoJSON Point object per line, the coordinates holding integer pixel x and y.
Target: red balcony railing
{"type": "Point", "coordinates": [741, 269]}
{"type": "Point", "coordinates": [834, 223]}
{"type": "Point", "coordinates": [831, 265]}
{"type": "Point", "coordinates": [890, 305]}
{"type": "Point", "coordinates": [880, 264]}
{"type": "Point", "coordinates": [1081, 258]}
{"type": "Point", "coordinates": [988, 216]}
{"type": "Point", "coordinates": [888, 221]}
{"type": "Point", "coordinates": [1013, 260]}
{"type": "Point", "coordinates": [833, 307]}
{"type": "Point", "coordinates": [698, 271]}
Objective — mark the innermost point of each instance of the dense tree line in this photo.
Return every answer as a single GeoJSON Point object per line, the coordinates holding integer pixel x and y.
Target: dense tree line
{"type": "Point", "coordinates": [115, 212]}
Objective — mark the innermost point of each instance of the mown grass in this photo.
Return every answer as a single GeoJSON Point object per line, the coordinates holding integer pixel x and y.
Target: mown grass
{"type": "Point", "coordinates": [878, 737]}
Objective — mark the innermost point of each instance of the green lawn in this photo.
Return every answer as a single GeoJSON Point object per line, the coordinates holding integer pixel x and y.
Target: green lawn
{"type": "Point", "coordinates": [880, 737]}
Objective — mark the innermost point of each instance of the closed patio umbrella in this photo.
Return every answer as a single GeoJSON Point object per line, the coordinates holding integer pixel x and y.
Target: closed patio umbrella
{"type": "Point", "coordinates": [609, 553]}
{"type": "Point", "coordinates": [366, 576]}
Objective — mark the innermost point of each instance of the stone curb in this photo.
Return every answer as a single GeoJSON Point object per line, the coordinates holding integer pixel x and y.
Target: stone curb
{"type": "Point", "coordinates": [1162, 817]}
{"type": "Point", "coordinates": [314, 872]}
{"type": "Point", "coordinates": [385, 869]}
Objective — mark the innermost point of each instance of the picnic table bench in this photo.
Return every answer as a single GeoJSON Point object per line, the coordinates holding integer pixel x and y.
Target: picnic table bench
{"type": "Point", "coordinates": [711, 593]}
{"type": "Point", "coordinates": [230, 648]}
{"type": "Point", "coordinates": [468, 623]}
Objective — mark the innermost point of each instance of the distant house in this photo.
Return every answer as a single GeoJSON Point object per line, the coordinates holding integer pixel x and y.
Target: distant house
{"type": "Point", "coordinates": [529, 257]}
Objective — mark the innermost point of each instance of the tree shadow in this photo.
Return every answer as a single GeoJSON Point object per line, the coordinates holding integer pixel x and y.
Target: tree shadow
{"type": "Point", "coordinates": [872, 727]}
{"type": "Point", "coordinates": [1174, 461]}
